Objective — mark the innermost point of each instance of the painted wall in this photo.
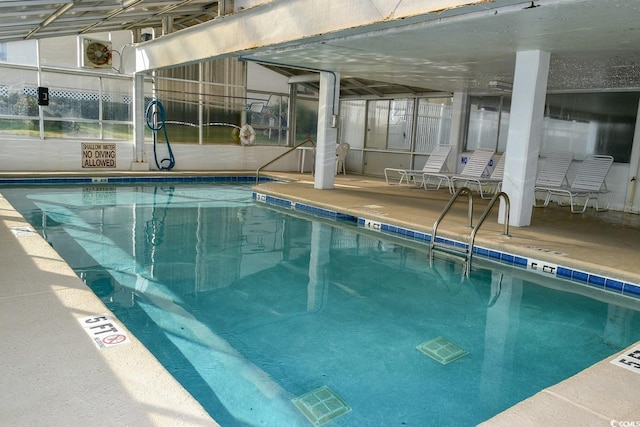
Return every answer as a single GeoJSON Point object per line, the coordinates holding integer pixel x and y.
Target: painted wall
{"type": "Point", "coordinates": [67, 156]}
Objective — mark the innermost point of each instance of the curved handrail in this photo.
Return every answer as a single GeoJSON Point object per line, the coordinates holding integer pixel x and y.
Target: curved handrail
{"type": "Point", "coordinates": [484, 216]}
{"type": "Point", "coordinates": [446, 209]}
{"type": "Point", "coordinates": [282, 155]}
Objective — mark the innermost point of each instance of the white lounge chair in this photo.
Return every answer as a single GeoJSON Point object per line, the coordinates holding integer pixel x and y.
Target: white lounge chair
{"type": "Point", "coordinates": [589, 183]}
{"type": "Point", "coordinates": [475, 168]}
{"type": "Point", "coordinates": [552, 175]}
{"type": "Point", "coordinates": [433, 168]}
{"type": "Point", "coordinates": [486, 186]}
{"type": "Point", "coordinates": [341, 156]}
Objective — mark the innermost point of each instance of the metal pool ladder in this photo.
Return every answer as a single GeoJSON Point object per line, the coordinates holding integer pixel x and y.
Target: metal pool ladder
{"type": "Point", "coordinates": [467, 252]}
{"type": "Point", "coordinates": [308, 140]}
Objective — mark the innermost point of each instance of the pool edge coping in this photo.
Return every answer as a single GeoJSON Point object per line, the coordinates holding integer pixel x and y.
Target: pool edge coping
{"type": "Point", "coordinates": [550, 269]}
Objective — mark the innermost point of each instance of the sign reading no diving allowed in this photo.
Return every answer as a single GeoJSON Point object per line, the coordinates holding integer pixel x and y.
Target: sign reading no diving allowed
{"type": "Point", "coordinates": [96, 155]}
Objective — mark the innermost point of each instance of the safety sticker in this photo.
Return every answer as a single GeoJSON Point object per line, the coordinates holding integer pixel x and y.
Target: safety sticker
{"type": "Point", "coordinates": [22, 231]}
{"type": "Point", "coordinates": [629, 360]}
{"type": "Point", "coordinates": [104, 331]}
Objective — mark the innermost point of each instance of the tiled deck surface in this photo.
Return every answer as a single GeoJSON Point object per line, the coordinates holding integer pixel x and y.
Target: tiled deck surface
{"type": "Point", "coordinates": [54, 375]}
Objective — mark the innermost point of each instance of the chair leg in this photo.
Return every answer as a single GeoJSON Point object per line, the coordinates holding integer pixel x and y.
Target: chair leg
{"type": "Point", "coordinates": [480, 190]}
{"type": "Point", "coordinates": [452, 186]}
{"type": "Point", "coordinates": [572, 202]}
{"type": "Point", "coordinates": [543, 204]}
{"type": "Point", "coordinates": [606, 208]}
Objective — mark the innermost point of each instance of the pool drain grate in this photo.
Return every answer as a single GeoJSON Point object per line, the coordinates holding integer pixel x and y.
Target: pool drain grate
{"type": "Point", "coordinates": [321, 405]}
{"type": "Point", "coordinates": [442, 350]}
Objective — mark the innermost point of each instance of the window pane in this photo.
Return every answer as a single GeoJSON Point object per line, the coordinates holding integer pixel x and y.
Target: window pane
{"type": "Point", "coordinates": [71, 129]}
{"type": "Point", "coordinates": [17, 127]}
{"type": "Point", "coordinates": [306, 119]}
{"type": "Point", "coordinates": [121, 131]}
{"type": "Point", "coordinates": [488, 122]}
{"type": "Point", "coordinates": [19, 95]}
{"type": "Point", "coordinates": [581, 123]}
{"type": "Point", "coordinates": [117, 100]}
{"type": "Point", "coordinates": [352, 122]}
{"type": "Point", "coordinates": [434, 123]}
{"type": "Point", "coordinates": [59, 51]}
{"type": "Point", "coordinates": [19, 52]}
{"type": "Point", "coordinates": [191, 105]}
{"type": "Point", "coordinates": [19, 103]}
{"type": "Point", "coordinates": [377, 124]}
{"type": "Point", "coordinates": [590, 123]}
{"type": "Point", "coordinates": [400, 124]}
{"type": "Point", "coordinates": [268, 117]}
{"type": "Point", "coordinates": [72, 96]}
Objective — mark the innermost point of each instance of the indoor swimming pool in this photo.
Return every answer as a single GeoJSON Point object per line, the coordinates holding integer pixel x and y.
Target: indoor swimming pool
{"type": "Point", "coordinates": [270, 317]}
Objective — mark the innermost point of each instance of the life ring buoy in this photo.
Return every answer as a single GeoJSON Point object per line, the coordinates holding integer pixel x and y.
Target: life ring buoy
{"type": "Point", "coordinates": [247, 135]}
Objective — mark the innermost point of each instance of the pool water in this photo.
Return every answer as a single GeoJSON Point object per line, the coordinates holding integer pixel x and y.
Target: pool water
{"type": "Point", "coordinates": [272, 318]}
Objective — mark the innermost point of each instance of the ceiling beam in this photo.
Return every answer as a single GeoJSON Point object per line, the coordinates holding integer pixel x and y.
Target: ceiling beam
{"type": "Point", "coordinates": [55, 15]}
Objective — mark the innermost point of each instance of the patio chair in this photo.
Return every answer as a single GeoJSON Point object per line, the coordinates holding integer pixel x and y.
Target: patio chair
{"type": "Point", "coordinates": [552, 175]}
{"type": "Point", "coordinates": [486, 186]}
{"type": "Point", "coordinates": [432, 169]}
{"type": "Point", "coordinates": [589, 183]}
{"type": "Point", "coordinates": [341, 155]}
{"type": "Point", "coordinates": [475, 168]}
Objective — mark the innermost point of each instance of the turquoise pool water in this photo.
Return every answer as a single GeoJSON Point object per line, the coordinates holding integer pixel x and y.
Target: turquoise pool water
{"type": "Point", "coordinates": [271, 318]}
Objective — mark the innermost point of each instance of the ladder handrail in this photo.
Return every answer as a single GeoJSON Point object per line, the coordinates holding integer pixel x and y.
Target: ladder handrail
{"type": "Point", "coordinates": [484, 216]}
{"type": "Point", "coordinates": [446, 209]}
{"type": "Point", "coordinates": [282, 155]}
{"type": "Point", "coordinates": [474, 230]}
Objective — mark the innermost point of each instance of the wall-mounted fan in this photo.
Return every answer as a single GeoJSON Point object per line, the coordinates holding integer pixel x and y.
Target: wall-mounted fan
{"type": "Point", "coordinates": [96, 53]}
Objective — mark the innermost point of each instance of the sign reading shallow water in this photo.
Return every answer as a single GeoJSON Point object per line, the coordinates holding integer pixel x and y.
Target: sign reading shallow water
{"type": "Point", "coordinates": [104, 331]}
{"type": "Point", "coordinates": [629, 360]}
{"type": "Point", "coordinates": [97, 155]}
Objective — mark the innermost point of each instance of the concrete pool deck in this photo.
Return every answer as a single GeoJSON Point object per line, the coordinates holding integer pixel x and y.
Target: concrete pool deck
{"type": "Point", "coordinates": [55, 375]}
{"type": "Point", "coordinates": [52, 373]}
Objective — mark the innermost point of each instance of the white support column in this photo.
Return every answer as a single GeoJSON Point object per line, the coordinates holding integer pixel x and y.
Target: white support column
{"type": "Point", "coordinates": [318, 286]}
{"type": "Point", "coordinates": [525, 134]}
{"type": "Point", "coordinates": [139, 122]}
{"type": "Point", "coordinates": [458, 125]}
{"type": "Point", "coordinates": [328, 104]}
{"type": "Point", "coordinates": [632, 198]}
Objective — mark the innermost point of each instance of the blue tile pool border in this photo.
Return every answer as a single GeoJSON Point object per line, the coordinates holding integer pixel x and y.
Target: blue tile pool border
{"type": "Point", "coordinates": [134, 179]}
{"type": "Point", "coordinates": [562, 272]}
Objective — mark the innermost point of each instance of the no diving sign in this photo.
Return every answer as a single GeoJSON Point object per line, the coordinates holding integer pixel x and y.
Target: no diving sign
{"type": "Point", "coordinates": [104, 331]}
{"type": "Point", "coordinates": [98, 155]}
{"type": "Point", "coordinates": [629, 360]}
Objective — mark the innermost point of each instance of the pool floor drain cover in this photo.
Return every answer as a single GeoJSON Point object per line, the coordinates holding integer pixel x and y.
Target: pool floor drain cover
{"type": "Point", "coordinates": [441, 350]}
{"type": "Point", "coordinates": [321, 405]}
